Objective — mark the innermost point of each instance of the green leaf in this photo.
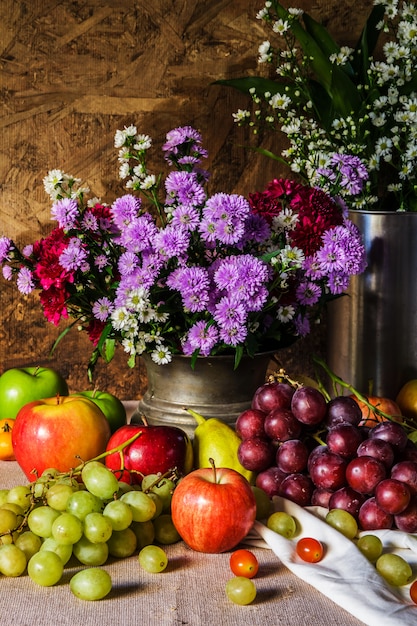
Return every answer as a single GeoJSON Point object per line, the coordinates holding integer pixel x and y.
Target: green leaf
{"type": "Point", "coordinates": [59, 338]}
{"type": "Point", "coordinates": [325, 41]}
{"type": "Point", "coordinates": [109, 349]}
{"type": "Point", "coordinates": [366, 44]}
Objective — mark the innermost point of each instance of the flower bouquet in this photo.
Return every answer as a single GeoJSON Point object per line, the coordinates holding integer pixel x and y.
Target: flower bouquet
{"type": "Point", "coordinates": [170, 269]}
{"type": "Point", "coordinates": [328, 98]}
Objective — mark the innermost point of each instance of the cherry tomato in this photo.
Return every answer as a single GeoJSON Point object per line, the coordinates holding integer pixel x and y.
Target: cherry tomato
{"type": "Point", "coordinates": [413, 592]}
{"type": "Point", "coordinates": [6, 447]}
{"type": "Point", "coordinates": [310, 550]}
{"type": "Point", "coordinates": [244, 563]}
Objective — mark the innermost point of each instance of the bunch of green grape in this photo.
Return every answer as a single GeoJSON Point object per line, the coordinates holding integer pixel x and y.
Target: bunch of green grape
{"type": "Point", "coordinates": [44, 524]}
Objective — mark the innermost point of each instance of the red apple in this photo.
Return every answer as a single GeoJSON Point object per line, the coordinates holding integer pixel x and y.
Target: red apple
{"type": "Point", "coordinates": [111, 406]}
{"type": "Point", "coordinates": [18, 386]}
{"type": "Point", "coordinates": [213, 509]}
{"type": "Point", "coordinates": [158, 449]}
{"type": "Point", "coordinates": [58, 432]}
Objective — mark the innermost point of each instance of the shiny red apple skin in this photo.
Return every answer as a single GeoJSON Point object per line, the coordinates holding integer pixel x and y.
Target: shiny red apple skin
{"type": "Point", "coordinates": [213, 510]}
{"type": "Point", "coordinates": [157, 449]}
{"type": "Point", "coordinates": [58, 432]}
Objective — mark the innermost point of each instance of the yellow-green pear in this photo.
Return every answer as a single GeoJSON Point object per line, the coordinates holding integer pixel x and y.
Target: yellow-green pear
{"type": "Point", "coordinates": [214, 439]}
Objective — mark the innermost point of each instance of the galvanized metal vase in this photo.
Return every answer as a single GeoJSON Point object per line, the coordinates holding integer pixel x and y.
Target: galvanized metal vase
{"type": "Point", "coordinates": [213, 389]}
{"type": "Point", "coordinates": [372, 331]}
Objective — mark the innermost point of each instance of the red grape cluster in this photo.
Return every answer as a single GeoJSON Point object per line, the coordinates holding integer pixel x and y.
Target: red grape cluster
{"type": "Point", "coordinates": [315, 452]}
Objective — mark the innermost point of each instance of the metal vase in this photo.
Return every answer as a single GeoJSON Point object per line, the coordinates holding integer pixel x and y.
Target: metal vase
{"type": "Point", "coordinates": [372, 331]}
{"type": "Point", "coordinates": [213, 389]}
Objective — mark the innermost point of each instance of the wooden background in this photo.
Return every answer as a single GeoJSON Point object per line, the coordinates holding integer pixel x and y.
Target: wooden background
{"type": "Point", "coordinates": [71, 73]}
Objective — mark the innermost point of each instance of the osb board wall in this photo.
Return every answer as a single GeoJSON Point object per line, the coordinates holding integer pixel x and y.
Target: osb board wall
{"type": "Point", "coordinates": [71, 73]}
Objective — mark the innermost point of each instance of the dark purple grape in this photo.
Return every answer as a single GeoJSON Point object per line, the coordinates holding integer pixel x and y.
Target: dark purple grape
{"type": "Point", "coordinates": [298, 488]}
{"type": "Point", "coordinates": [308, 405]}
{"type": "Point", "coordinates": [292, 456]}
{"type": "Point", "coordinates": [379, 449]}
{"type": "Point", "coordinates": [407, 520]}
{"type": "Point", "coordinates": [406, 471]}
{"type": "Point", "coordinates": [250, 423]}
{"type": "Point", "coordinates": [363, 473]}
{"type": "Point", "coordinates": [272, 395]}
{"type": "Point", "coordinates": [342, 410]}
{"type": "Point", "coordinates": [256, 454]}
{"type": "Point", "coordinates": [392, 432]}
{"type": "Point", "coordinates": [344, 439]}
{"type": "Point", "coordinates": [281, 425]}
{"type": "Point", "coordinates": [347, 499]}
{"type": "Point", "coordinates": [327, 470]}
{"type": "Point", "coordinates": [270, 480]}
{"type": "Point", "coordinates": [392, 496]}
{"type": "Point", "coordinates": [321, 497]}
{"type": "Point", "coordinates": [372, 517]}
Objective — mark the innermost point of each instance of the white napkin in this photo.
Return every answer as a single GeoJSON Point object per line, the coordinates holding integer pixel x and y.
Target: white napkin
{"type": "Point", "coordinates": [344, 574]}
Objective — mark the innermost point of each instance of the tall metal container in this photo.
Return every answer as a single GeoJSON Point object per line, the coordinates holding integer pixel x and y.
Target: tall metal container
{"type": "Point", "coordinates": [372, 331]}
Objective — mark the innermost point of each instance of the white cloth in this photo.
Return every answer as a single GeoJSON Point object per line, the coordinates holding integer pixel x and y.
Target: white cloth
{"type": "Point", "coordinates": [344, 574]}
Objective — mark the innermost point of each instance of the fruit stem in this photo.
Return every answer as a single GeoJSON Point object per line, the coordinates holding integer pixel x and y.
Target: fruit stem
{"type": "Point", "coordinates": [198, 418]}
{"type": "Point", "coordinates": [336, 380]}
{"type": "Point", "coordinates": [103, 455]}
{"type": "Point", "coordinates": [213, 465]}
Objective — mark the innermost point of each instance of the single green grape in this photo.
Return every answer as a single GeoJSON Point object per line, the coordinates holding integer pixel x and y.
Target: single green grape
{"type": "Point", "coordinates": [97, 528]}
{"type": "Point", "coordinates": [119, 514]}
{"type": "Point", "coordinates": [153, 559]}
{"type": "Point", "coordinates": [29, 543]}
{"type": "Point", "coordinates": [158, 504]}
{"type": "Point", "coordinates": [122, 543]}
{"type": "Point", "coordinates": [93, 583]}
{"type": "Point", "coordinates": [143, 507]}
{"type": "Point", "coordinates": [149, 481]}
{"type": "Point", "coordinates": [40, 520]}
{"type": "Point", "coordinates": [282, 523]}
{"type": "Point", "coordinates": [99, 480]}
{"type": "Point", "coordinates": [64, 551]}
{"type": "Point", "coordinates": [81, 503]}
{"type": "Point", "coordinates": [12, 560]}
{"type": "Point", "coordinates": [3, 496]}
{"type": "Point", "coordinates": [67, 529]}
{"type": "Point", "coordinates": [370, 546]}
{"type": "Point", "coordinates": [241, 590]}
{"type": "Point", "coordinates": [164, 489]}
{"type": "Point", "coordinates": [145, 533]}
{"type": "Point", "coordinates": [58, 495]}
{"type": "Point", "coordinates": [8, 520]}
{"type": "Point", "coordinates": [45, 568]}
{"type": "Point", "coordinates": [20, 495]}
{"type": "Point", "coordinates": [165, 531]}
{"type": "Point", "coordinates": [343, 521]}
{"type": "Point", "coordinates": [92, 554]}
{"type": "Point", "coordinates": [394, 569]}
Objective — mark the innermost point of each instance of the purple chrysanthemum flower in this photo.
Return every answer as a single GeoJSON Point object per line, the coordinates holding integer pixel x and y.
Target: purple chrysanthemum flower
{"type": "Point", "coordinates": [65, 212]}
{"type": "Point", "coordinates": [185, 217]}
{"type": "Point", "coordinates": [89, 222]}
{"type": "Point", "coordinates": [234, 334]}
{"type": "Point", "coordinates": [193, 284]}
{"type": "Point", "coordinates": [24, 281]}
{"type": "Point", "coordinates": [202, 337]}
{"type": "Point", "coordinates": [184, 188]}
{"type": "Point", "coordinates": [101, 261]}
{"type": "Point", "coordinates": [257, 229]}
{"type": "Point", "coordinates": [102, 309]}
{"type": "Point", "coordinates": [127, 263]}
{"type": "Point", "coordinates": [230, 313]}
{"type": "Point", "coordinates": [7, 272]}
{"type": "Point", "coordinates": [224, 217]}
{"type": "Point", "coordinates": [6, 246]}
{"type": "Point", "coordinates": [74, 256]}
{"type": "Point", "coordinates": [242, 276]}
{"type": "Point", "coordinates": [125, 209]}
{"type": "Point", "coordinates": [308, 293]}
{"type": "Point", "coordinates": [171, 242]}
{"type": "Point", "coordinates": [139, 234]}
{"type": "Point", "coordinates": [338, 282]}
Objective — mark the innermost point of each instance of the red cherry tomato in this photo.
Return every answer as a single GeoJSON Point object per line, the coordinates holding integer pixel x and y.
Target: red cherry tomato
{"type": "Point", "coordinates": [244, 563]}
{"type": "Point", "coordinates": [413, 592]}
{"type": "Point", "coordinates": [310, 550]}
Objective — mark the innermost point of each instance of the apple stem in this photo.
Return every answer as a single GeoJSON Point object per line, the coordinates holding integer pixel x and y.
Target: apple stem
{"type": "Point", "coordinates": [213, 465]}
{"type": "Point", "coordinates": [118, 448]}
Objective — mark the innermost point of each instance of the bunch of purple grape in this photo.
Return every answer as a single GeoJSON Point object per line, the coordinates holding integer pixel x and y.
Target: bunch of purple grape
{"type": "Point", "coordinates": [315, 452]}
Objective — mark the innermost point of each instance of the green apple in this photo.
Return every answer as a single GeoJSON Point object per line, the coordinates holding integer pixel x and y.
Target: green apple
{"type": "Point", "coordinates": [21, 385]}
{"type": "Point", "coordinates": [111, 406]}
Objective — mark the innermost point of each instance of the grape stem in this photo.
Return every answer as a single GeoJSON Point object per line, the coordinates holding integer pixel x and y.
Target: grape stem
{"type": "Point", "coordinates": [336, 380]}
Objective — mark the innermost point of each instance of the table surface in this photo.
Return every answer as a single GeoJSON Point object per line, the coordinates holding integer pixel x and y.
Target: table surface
{"type": "Point", "coordinates": [190, 592]}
